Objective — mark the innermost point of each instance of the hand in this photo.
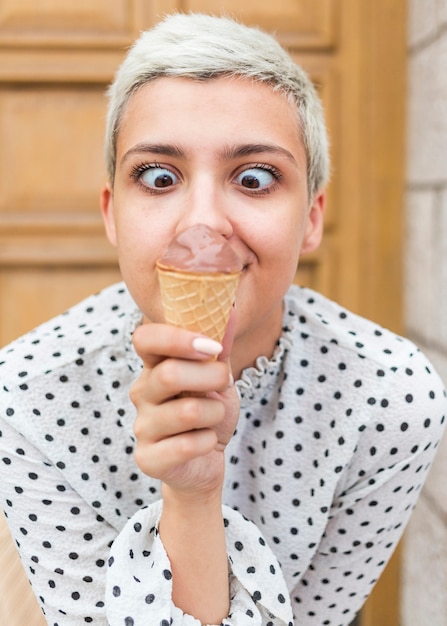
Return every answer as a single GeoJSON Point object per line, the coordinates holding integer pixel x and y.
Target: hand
{"type": "Point", "coordinates": [181, 438]}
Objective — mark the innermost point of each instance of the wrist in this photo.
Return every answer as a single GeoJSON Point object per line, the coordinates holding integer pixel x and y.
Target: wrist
{"type": "Point", "coordinates": [192, 531]}
{"type": "Point", "coordinates": [207, 498]}
{"type": "Point", "coordinates": [202, 487]}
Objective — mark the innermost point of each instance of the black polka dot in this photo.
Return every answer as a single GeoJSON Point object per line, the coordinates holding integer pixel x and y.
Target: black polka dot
{"type": "Point", "coordinates": [340, 424]}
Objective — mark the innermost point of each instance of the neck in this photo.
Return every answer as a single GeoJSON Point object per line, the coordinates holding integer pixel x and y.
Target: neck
{"type": "Point", "coordinates": [258, 341]}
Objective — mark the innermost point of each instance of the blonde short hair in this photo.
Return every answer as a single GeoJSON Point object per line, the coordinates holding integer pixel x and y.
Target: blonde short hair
{"type": "Point", "coordinates": [202, 47]}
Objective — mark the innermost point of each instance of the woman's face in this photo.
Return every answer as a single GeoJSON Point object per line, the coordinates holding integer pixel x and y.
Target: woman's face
{"type": "Point", "coordinates": [225, 152]}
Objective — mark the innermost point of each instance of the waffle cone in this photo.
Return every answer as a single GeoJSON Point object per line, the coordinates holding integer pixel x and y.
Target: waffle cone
{"type": "Point", "coordinates": [198, 302]}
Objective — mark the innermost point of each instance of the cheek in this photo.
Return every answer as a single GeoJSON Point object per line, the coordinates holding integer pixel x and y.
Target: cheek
{"type": "Point", "coordinates": [282, 244]}
{"type": "Point", "coordinates": [283, 258]}
{"type": "Point", "coordinates": [136, 243]}
{"type": "Point", "coordinates": [141, 279]}
{"type": "Point", "coordinates": [137, 256]}
{"type": "Point", "coordinates": [132, 255]}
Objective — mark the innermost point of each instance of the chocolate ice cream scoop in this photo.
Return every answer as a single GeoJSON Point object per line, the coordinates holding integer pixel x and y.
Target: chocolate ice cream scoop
{"type": "Point", "coordinates": [199, 275]}
{"type": "Point", "coordinates": [200, 249]}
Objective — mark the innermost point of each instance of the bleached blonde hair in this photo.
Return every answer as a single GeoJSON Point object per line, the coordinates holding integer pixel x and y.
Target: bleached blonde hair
{"type": "Point", "coordinates": [202, 47]}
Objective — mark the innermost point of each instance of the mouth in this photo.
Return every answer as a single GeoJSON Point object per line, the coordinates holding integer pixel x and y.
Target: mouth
{"type": "Point", "coordinates": [245, 268]}
{"type": "Point", "coordinates": [247, 261]}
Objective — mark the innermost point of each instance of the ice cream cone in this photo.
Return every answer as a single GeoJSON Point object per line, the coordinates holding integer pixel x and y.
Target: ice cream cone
{"type": "Point", "coordinates": [200, 302]}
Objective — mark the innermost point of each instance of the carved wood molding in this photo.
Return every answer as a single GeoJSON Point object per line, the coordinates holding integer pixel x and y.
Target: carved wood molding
{"type": "Point", "coordinates": [63, 239]}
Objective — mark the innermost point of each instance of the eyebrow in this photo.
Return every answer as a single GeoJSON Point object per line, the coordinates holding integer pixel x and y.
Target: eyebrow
{"type": "Point", "coordinates": [227, 153]}
{"type": "Point", "coordinates": [234, 152]}
{"type": "Point", "coordinates": [154, 148]}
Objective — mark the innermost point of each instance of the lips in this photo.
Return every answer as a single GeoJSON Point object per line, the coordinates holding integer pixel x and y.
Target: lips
{"type": "Point", "coordinates": [243, 252]}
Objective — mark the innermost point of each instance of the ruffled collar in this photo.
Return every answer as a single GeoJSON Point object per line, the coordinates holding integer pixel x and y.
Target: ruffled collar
{"type": "Point", "coordinates": [134, 319]}
{"type": "Point", "coordinates": [266, 371]}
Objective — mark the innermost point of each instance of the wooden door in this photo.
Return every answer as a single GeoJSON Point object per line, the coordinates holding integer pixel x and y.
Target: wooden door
{"type": "Point", "coordinates": [56, 59]}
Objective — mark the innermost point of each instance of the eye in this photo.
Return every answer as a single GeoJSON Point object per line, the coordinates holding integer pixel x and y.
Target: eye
{"type": "Point", "coordinates": [156, 177]}
{"type": "Point", "coordinates": [256, 178]}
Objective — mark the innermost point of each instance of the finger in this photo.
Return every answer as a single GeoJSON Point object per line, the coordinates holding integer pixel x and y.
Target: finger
{"type": "Point", "coordinates": [154, 342]}
{"type": "Point", "coordinates": [161, 459]}
{"type": "Point", "coordinates": [178, 416]}
{"type": "Point", "coordinates": [174, 376]}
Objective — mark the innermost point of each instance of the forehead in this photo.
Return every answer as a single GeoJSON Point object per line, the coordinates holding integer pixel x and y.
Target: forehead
{"type": "Point", "coordinates": [210, 110]}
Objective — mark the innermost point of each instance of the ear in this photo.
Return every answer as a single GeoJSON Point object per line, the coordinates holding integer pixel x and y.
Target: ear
{"type": "Point", "coordinates": [108, 215]}
{"type": "Point", "coordinates": [314, 227]}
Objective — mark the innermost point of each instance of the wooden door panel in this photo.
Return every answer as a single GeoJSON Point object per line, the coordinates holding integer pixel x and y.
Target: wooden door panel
{"type": "Point", "coordinates": [36, 294]}
{"type": "Point", "coordinates": [323, 72]}
{"type": "Point", "coordinates": [26, 244]}
{"type": "Point", "coordinates": [66, 23]}
{"type": "Point", "coordinates": [51, 158]}
{"type": "Point", "coordinates": [297, 23]}
{"type": "Point", "coordinates": [74, 24]}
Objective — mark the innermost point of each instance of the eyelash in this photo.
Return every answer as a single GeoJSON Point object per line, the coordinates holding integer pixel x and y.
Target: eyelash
{"type": "Point", "coordinates": [138, 170]}
{"type": "Point", "coordinates": [268, 168]}
{"type": "Point", "coordinates": [258, 193]}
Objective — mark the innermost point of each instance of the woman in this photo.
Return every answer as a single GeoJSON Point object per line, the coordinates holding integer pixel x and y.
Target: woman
{"type": "Point", "coordinates": [277, 499]}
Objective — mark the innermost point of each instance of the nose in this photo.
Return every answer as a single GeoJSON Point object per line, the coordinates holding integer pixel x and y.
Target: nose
{"type": "Point", "coordinates": [206, 202]}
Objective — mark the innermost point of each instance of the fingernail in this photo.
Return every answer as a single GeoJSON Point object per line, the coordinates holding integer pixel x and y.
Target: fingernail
{"type": "Point", "coordinates": [207, 346]}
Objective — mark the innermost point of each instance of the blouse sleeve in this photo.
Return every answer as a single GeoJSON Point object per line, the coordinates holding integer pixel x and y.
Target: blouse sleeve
{"type": "Point", "coordinates": [139, 579]}
{"type": "Point", "coordinates": [63, 543]}
{"type": "Point", "coordinates": [83, 570]}
{"type": "Point", "coordinates": [376, 496]}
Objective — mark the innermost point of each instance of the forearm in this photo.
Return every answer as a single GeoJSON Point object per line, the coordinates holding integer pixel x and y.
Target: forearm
{"type": "Point", "coordinates": [138, 585]}
{"type": "Point", "coordinates": [192, 531]}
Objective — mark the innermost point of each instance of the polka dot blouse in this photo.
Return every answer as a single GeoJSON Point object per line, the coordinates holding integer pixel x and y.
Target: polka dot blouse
{"type": "Point", "coordinates": [335, 437]}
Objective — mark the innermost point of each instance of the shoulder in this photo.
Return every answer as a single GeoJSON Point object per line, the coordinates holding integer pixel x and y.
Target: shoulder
{"type": "Point", "coordinates": [326, 322]}
{"type": "Point", "coordinates": [99, 321]}
{"type": "Point", "coordinates": [371, 364]}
